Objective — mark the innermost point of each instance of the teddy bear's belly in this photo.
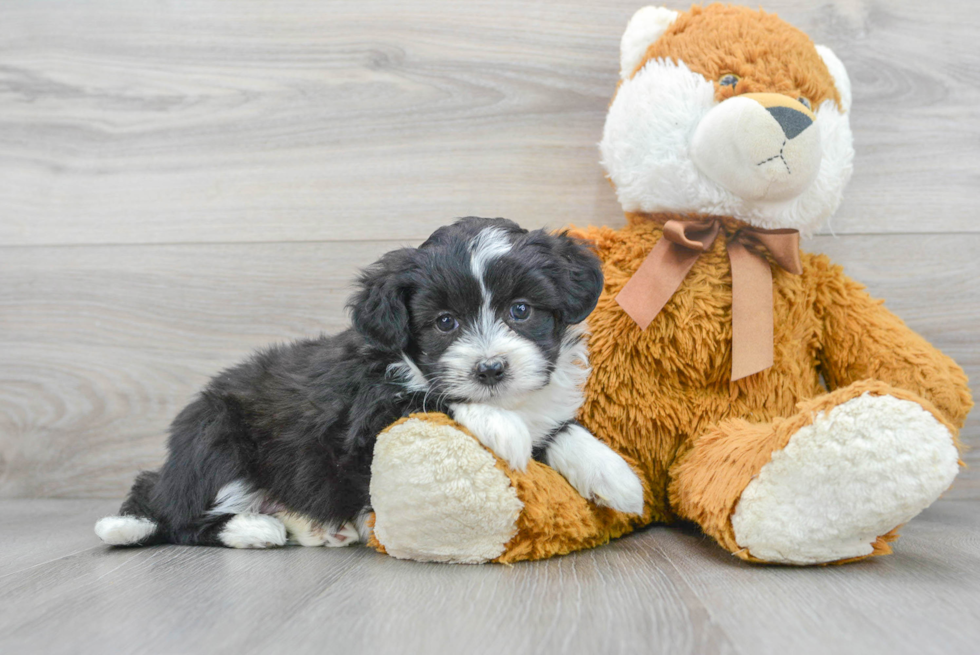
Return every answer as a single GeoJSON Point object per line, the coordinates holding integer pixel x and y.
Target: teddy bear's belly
{"type": "Point", "coordinates": [650, 390]}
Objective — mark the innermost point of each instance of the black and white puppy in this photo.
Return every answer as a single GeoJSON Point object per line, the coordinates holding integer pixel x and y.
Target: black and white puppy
{"type": "Point", "coordinates": [483, 321]}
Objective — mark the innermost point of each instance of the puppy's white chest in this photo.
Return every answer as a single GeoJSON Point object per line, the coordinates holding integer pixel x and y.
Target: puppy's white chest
{"type": "Point", "coordinates": [514, 432]}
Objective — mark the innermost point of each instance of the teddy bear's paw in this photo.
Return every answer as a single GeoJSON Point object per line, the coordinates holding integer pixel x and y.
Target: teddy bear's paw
{"type": "Point", "coordinates": [854, 474]}
{"type": "Point", "coordinates": [438, 495]}
{"type": "Point", "coordinates": [596, 471]}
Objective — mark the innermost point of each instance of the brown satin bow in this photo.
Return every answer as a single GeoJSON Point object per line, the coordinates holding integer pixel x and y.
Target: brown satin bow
{"type": "Point", "coordinates": [665, 268]}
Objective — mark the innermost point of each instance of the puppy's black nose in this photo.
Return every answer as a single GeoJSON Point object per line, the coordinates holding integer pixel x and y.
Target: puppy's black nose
{"type": "Point", "coordinates": [491, 371]}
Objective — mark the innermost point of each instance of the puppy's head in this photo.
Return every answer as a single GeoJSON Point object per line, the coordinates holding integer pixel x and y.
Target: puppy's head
{"type": "Point", "coordinates": [479, 312]}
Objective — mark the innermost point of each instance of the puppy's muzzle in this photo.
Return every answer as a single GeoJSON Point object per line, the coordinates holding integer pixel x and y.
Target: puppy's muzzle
{"type": "Point", "coordinates": [490, 371]}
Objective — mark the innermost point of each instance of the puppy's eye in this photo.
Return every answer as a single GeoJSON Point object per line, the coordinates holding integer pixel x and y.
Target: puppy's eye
{"type": "Point", "coordinates": [806, 103]}
{"type": "Point", "coordinates": [520, 311]}
{"type": "Point", "coordinates": [446, 323]}
{"type": "Point", "coordinates": [728, 80]}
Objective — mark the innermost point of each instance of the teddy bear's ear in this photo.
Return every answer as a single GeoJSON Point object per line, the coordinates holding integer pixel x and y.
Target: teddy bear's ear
{"type": "Point", "coordinates": [644, 28]}
{"type": "Point", "coordinates": [839, 73]}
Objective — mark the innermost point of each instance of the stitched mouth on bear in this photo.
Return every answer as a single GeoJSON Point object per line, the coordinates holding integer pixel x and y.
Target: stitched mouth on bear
{"type": "Point", "coordinates": [778, 155]}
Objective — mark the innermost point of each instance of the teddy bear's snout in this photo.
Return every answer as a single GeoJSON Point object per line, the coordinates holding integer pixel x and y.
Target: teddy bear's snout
{"type": "Point", "coordinates": [759, 146]}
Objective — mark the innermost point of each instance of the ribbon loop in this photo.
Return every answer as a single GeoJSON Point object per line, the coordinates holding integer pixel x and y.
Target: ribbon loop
{"type": "Point", "coordinates": [664, 270]}
{"type": "Point", "coordinates": [782, 245]}
{"type": "Point", "coordinates": [693, 235]}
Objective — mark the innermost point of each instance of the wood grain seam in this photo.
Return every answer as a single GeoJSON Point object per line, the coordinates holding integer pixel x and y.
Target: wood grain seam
{"type": "Point", "coordinates": [50, 561]}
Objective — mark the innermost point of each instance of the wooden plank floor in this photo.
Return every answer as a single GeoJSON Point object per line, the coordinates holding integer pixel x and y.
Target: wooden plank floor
{"type": "Point", "coordinates": [664, 590]}
{"type": "Point", "coordinates": [182, 182]}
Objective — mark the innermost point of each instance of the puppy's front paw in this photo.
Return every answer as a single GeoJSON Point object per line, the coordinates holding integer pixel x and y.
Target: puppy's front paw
{"type": "Point", "coordinates": [617, 487]}
{"type": "Point", "coordinates": [503, 432]}
{"type": "Point", "coordinates": [596, 471]}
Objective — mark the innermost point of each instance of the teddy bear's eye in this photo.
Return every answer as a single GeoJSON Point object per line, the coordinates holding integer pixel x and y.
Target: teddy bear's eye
{"type": "Point", "coordinates": [806, 103]}
{"type": "Point", "coordinates": [728, 80]}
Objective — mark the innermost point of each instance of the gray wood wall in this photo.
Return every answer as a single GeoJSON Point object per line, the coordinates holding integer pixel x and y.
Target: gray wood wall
{"type": "Point", "coordinates": [182, 182]}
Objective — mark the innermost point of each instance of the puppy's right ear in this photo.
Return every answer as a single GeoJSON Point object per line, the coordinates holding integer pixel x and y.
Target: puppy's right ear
{"type": "Point", "coordinates": [581, 277]}
{"type": "Point", "coordinates": [379, 308]}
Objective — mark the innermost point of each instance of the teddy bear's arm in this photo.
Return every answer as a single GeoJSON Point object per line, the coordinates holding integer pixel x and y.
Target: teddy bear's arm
{"type": "Point", "coordinates": [439, 495]}
{"type": "Point", "coordinates": [862, 340]}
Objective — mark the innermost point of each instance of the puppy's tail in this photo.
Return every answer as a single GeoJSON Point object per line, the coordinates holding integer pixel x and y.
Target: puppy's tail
{"type": "Point", "coordinates": [135, 525]}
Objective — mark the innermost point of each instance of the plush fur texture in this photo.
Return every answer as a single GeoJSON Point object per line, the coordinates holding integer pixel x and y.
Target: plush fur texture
{"type": "Point", "coordinates": [661, 153]}
{"type": "Point", "coordinates": [697, 456]}
{"type": "Point", "coordinates": [646, 26]}
{"type": "Point", "coordinates": [847, 373]}
{"type": "Point", "coordinates": [480, 321]}
{"type": "Point", "coordinates": [710, 473]}
{"type": "Point", "coordinates": [461, 511]}
{"type": "Point", "coordinates": [426, 477]}
{"type": "Point", "coordinates": [855, 473]}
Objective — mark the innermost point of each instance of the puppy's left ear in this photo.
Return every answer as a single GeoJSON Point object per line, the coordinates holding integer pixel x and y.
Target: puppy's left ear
{"type": "Point", "coordinates": [379, 308]}
{"type": "Point", "coordinates": [581, 278]}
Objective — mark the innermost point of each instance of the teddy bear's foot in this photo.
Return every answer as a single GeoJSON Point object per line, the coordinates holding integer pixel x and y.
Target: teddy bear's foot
{"type": "Point", "coordinates": [854, 474]}
{"type": "Point", "coordinates": [439, 496]}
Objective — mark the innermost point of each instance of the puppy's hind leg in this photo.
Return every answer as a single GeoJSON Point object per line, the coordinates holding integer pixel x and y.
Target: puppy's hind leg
{"type": "Point", "coordinates": [135, 525]}
{"type": "Point", "coordinates": [306, 532]}
{"type": "Point", "coordinates": [239, 521]}
{"type": "Point", "coordinates": [252, 531]}
{"type": "Point", "coordinates": [126, 530]}
{"type": "Point", "coordinates": [234, 520]}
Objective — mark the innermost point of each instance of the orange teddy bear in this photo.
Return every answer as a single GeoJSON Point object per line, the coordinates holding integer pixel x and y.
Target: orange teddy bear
{"type": "Point", "coordinates": [759, 392]}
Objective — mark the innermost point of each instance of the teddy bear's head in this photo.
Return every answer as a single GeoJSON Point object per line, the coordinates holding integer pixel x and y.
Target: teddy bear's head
{"type": "Point", "coordinates": [728, 111]}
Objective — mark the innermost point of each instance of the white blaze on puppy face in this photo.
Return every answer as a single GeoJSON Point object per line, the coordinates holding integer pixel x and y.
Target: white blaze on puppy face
{"type": "Point", "coordinates": [487, 337]}
{"type": "Point", "coordinates": [669, 146]}
{"type": "Point", "coordinates": [489, 244]}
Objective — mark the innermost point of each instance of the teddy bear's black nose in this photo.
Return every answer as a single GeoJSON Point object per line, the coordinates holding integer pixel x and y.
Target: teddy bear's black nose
{"type": "Point", "coordinates": [792, 121]}
{"type": "Point", "coordinates": [491, 371]}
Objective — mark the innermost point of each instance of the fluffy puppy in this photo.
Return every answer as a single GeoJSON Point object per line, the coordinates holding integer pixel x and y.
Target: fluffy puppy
{"type": "Point", "coordinates": [482, 321]}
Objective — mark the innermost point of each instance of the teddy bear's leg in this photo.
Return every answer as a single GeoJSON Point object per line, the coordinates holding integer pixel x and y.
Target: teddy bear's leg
{"type": "Point", "coordinates": [829, 484]}
{"type": "Point", "coordinates": [863, 340]}
{"type": "Point", "coordinates": [439, 495]}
